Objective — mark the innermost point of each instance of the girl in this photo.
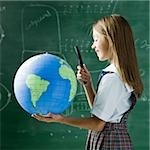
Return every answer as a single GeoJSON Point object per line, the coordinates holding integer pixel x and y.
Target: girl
{"type": "Point", "coordinates": [118, 87]}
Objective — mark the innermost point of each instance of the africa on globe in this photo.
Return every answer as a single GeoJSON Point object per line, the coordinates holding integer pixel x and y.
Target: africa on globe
{"type": "Point", "coordinates": [45, 83]}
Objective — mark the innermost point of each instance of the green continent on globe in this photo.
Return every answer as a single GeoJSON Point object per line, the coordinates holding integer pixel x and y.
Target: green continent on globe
{"type": "Point", "coordinates": [67, 73]}
{"type": "Point", "coordinates": [37, 87]}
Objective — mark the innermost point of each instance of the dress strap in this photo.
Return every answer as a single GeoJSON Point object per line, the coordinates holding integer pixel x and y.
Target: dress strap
{"type": "Point", "coordinates": [133, 102]}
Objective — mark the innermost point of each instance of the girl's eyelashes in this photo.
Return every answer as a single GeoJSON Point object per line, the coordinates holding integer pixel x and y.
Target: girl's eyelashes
{"type": "Point", "coordinates": [94, 39]}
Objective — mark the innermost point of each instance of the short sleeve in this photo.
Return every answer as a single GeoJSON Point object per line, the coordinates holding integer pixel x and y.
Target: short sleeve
{"type": "Point", "coordinates": [107, 97]}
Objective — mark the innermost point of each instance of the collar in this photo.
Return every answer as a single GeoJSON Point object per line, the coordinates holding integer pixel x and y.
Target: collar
{"type": "Point", "coordinates": [112, 68]}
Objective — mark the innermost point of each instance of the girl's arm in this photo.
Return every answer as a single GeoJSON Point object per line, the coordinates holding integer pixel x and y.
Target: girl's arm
{"type": "Point", "coordinates": [84, 78]}
{"type": "Point", "coordinates": [92, 123]}
{"type": "Point", "coordinates": [90, 94]}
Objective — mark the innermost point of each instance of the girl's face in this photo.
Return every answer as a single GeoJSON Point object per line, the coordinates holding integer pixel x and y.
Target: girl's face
{"type": "Point", "coordinates": [101, 45]}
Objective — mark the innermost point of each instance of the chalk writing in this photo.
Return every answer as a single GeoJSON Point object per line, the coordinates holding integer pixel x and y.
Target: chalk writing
{"type": "Point", "coordinates": [99, 8]}
{"type": "Point", "coordinates": [145, 98]}
{"type": "Point", "coordinates": [42, 21]}
{"type": "Point", "coordinates": [142, 72]}
{"type": "Point", "coordinates": [68, 45]}
{"type": "Point", "coordinates": [2, 35]}
{"type": "Point", "coordinates": [38, 20]}
{"type": "Point", "coordinates": [5, 96]}
{"type": "Point", "coordinates": [69, 111]}
{"type": "Point", "coordinates": [2, 8]}
{"type": "Point", "coordinates": [28, 53]}
{"type": "Point", "coordinates": [142, 44]}
{"type": "Point", "coordinates": [80, 106]}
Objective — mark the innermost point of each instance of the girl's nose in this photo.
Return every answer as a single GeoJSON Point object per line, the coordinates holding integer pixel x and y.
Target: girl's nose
{"type": "Point", "coordinates": [93, 46]}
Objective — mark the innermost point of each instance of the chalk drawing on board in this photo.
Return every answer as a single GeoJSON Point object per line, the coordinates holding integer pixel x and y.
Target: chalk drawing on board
{"type": "Point", "coordinates": [2, 8]}
{"type": "Point", "coordinates": [2, 35]}
{"type": "Point", "coordinates": [142, 72]}
{"type": "Point", "coordinates": [40, 29]}
{"type": "Point", "coordinates": [5, 96]}
{"type": "Point", "coordinates": [100, 7]}
{"type": "Point", "coordinates": [145, 98]}
{"type": "Point", "coordinates": [142, 44]}
{"type": "Point", "coordinates": [82, 104]}
{"type": "Point", "coordinates": [35, 22]}
{"type": "Point", "coordinates": [28, 53]}
{"type": "Point", "coordinates": [68, 45]}
{"type": "Point", "coordinates": [75, 29]}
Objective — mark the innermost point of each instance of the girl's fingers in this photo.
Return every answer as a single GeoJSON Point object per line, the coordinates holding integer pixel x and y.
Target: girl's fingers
{"type": "Point", "coordinates": [82, 80]}
{"type": "Point", "coordinates": [47, 118]}
{"type": "Point", "coordinates": [82, 76]}
{"type": "Point", "coordinates": [82, 69]}
{"type": "Point", "coordinates": [78, 67]}
{"type": "Point", "coordinates": [85, 68]}
{"type": "Point", "coordinates": [38, 117]}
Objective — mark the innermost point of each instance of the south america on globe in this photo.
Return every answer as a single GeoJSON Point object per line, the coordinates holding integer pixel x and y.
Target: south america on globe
{"type": "Point", "coordinates": [45, 83]}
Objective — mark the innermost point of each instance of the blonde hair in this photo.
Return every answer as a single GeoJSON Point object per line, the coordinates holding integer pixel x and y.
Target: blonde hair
{"type": "Point", "coordinates": [121, 49]}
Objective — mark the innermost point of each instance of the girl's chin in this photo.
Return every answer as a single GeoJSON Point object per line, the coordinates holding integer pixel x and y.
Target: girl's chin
{"type": "Point", "coordinates": [101, 58]}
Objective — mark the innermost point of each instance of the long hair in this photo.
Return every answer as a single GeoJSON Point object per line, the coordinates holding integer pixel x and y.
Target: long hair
{"type": "Point", "coordinates": [121, 49]}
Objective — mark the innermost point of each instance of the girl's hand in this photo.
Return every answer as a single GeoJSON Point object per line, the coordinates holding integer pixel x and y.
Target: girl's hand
{"type": "Point", "coordinates": [83, 75]}
{"type": "Point", "coordinates": [48, 118]}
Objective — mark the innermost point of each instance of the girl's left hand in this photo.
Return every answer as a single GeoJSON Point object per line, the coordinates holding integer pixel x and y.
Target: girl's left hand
{"type": "Point", "coordinates": [48, 118]}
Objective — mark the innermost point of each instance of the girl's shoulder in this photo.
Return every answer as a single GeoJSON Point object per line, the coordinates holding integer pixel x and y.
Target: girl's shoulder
{"type": "Point", "coordinates": [111, 73]}
{"type": "Point", "coordinates": [115, 78]}
{"type": "Point", "coordinates": [111, 77]}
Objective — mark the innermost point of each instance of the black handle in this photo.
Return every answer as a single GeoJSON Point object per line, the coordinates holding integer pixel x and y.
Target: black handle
{"type": "Point", "coordinates": [79, 56]}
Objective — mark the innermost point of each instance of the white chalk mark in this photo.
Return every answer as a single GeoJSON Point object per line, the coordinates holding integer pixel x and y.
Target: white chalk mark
{"type": "Point", "coordinates": [3, 87]}
{"type": "Point", "coordinates": [38, 20]}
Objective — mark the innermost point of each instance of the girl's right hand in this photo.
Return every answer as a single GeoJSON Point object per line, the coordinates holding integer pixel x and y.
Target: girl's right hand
{"type": "Point", "coordinates": [83, 75]}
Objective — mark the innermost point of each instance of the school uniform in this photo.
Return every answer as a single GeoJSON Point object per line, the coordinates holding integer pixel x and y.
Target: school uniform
{"type": "Point", "coordinates": [112, 104]}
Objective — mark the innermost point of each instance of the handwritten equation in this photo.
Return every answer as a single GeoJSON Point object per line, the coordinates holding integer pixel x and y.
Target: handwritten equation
{"type": "Point", "coordinates": [102, 7]}
{"type": "Point", "coordinates": [68, 45]}
{"type": "Point", "coordinates": [85, 45]}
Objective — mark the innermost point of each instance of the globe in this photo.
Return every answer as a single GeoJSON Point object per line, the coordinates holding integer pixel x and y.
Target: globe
{"type": "Point", "coordinates": [45, 83]}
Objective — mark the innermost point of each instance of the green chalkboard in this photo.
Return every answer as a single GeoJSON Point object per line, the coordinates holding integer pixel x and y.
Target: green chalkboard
{"type": "Point", "coordinates": [28, 28]}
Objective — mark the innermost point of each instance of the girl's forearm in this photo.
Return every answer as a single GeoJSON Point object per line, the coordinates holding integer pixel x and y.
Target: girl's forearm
{"type": "Point", "coordinates": [90, 94]}
{"type": "Point", "coordinates": [92, 123]}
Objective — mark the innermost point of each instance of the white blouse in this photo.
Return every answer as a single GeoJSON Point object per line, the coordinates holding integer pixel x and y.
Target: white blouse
{"type": "Point", "coordinates": [112, 98]}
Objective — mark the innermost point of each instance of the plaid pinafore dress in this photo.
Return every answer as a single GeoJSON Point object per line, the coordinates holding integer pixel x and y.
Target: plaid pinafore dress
{"type": "Point", "coordinates": [114, 136]}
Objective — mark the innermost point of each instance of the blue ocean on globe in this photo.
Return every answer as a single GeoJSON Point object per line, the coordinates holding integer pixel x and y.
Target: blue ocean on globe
{"type": "Point", "coordinates": [45, 83]}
